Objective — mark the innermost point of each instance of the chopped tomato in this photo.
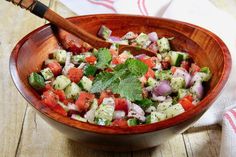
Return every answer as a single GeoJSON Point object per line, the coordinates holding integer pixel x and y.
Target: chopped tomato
{"type": "Point", "coordinates": [50, 99]}
{"type": "Point", "coordinates": [60, 110]}
{"type": "Point", "coordinates": [185, 65]}
{"type": "Point", "coordinates": [116, 60]}
{"type": "Point", "coordinates": [108, 70]}
{"type": "Point", "coordinates": [173, 69]}
{"type": "Point", "coordinates": [150, 62]}
{"type": "Point", "coordinates": [75, 74]}
{"type": "Point", "coordinates": [186, 103]}
{"type": "Point", "coordinates": [120, 123]}
{"type": "Point", "coordinates": [150, 73]}
{"type": "Point", "coordinates": [165, 64]}
{"type": "Point", "coordinates": [55, 68]}
{"type": "Point", "coordinates": [121, 105]}
{"type": "Point", "coordinates": [189, 97]}
{"type": "Point", "coordinates": [84, 101]}
{"type": "Point", "coordinates": [60, 94]}
{"type": "Point", "coordinates": [91, 78]}
{"type": "Point", "coordinates": [103, 95]}
{"type": "Point", "coordinates": [48, 87]}
{"type": "Point", "coordinates": [91, 59]}
{"type": "Point", "coordinates": [194, 68]}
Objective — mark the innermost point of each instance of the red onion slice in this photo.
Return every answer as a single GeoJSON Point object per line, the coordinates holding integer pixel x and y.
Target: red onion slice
{"type": "Point", "coordinates": [162, 89]}
{"type": "Point", "coordinates": [184, 74]}
{"type": "Point", "coordinates": [153, 36]}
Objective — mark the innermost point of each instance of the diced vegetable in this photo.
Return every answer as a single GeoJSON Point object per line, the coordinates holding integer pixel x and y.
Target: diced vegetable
{"type": "Point", "coordinates": [197, 90]}
{"type": "Point", "coordinates": [177, 83]}
{"type": "Point", "coordinates": [55, 67]}
{"type": "Point", "coordinates": [157, 116]}
{"type": "Point", "coordinates": [86, 83]}
{"type": "Point", "coordinates": [152, 82]}
{"type": "Point", "coordinates": [176, 58]}
{"type": "Point", "coordinates": [103, 122]}
{"type": "Point", "coordinates": [84, 101]}
{"type": "Point", "coordinates": [143, 40]}
{"type": "Point", "coordinates": [119, 122]}
{"type": "Point", "coordinates": [163, 88]}
{"type": "Point", "coordinates": [164, 105]}
{"type": "Point", "coordinates": [174, 110]}
{"type": "Point", "coordinates": [75, 74]}
{"type": "Point", "coordinates": [60, 56]}
{"type": "Point", "coordinates": [78, 58]}
{"type": "Point", "coordinates": [163, 75]}
{"type": "Point", "coordinates": [61, 82]}
{"type": "Point", "coordinates": [36, 81]}
{"type": "Point", "coordinates": [78, 117]}
{"type": "Point", "coordinates": [72, 91]}
{"type": "Point", "coordinates": [105, 112]}
{"type": "Point", "coordinates": [164, 45]}
{"type": "Point", "coordinates": [132, 122]}
{"type": "Point", "coordinates": [104, 32]}
{"type": "Point", "coordinates": [47, 73]}
{"type": "Point", "coordinates": [183, 92]}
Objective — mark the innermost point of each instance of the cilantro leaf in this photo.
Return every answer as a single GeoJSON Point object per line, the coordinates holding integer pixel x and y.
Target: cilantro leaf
{"type": "Point", "coordinates": [130, 88]}
{"type": "Point", "coordinates": [144, 103]}
{"type": "Point", "coordinates": [99, 82]}
{"type": "Point", "coordinates": [136, 67]}
{"type": "Point", "coordinates": [104, 58]}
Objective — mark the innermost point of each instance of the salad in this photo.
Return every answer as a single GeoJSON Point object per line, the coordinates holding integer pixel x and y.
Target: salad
{"type": "Point", "coordinates": [102, 87]}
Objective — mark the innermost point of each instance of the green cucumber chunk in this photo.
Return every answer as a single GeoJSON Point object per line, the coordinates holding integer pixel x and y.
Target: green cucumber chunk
{"type": "Point", "coordinates": [132, 122]}
{"type": "Point", "coordinates": [36, 81]}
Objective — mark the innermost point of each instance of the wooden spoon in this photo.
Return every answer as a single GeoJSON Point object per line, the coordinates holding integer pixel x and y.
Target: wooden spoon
{"type": "Point", "coordinates": [43, 11]}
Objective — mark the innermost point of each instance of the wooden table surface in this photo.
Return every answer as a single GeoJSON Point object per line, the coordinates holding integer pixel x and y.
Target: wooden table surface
{"type": "Point", "coordinates": [24, 134]}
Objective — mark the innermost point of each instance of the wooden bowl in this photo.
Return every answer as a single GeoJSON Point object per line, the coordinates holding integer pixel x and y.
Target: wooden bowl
{"type": "Point", "coordinates": [205, 47]}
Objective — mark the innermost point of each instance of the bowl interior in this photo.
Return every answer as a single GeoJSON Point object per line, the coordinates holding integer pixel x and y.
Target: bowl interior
{"type": "Point", "coordinates": [205, 48]}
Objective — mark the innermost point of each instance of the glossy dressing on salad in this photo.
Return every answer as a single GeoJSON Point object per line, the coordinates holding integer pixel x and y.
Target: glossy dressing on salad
{"type": "Point", "coordinates": [106, 88]}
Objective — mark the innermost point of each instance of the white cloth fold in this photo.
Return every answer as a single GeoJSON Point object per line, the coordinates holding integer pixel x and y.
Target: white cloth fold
{"type": "Point", "coordinates": [198, 12]}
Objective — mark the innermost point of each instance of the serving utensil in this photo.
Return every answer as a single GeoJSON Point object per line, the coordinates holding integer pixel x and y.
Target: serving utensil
{"type": "Point", "coordinates": [42, 11]}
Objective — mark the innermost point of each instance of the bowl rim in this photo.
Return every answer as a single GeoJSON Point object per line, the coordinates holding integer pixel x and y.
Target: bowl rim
{"type": "Point", "coordinates": [139, 129]}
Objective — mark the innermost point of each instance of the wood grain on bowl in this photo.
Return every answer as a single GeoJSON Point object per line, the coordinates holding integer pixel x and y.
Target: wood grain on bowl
{"type": "Point", "coordinates": [205, 48]}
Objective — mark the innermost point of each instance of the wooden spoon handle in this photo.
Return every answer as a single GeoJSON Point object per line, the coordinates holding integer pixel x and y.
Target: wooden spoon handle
{"type": "Point", "coordinates": [39, 9]}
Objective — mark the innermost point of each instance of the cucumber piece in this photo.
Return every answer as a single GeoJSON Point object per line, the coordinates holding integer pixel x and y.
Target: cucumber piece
{"type": "Point", "coordinates": [163, 44]}
{"type": "Point", "coordinates": [77, 59]}
{"type": "Point", "coordinates": [182, 93]}
{"type": "Point", "coordinates": [94, 105]}
{"type": "Point", "coordinates": [104, 32]}
{"type": "Point", "coordinates": [164, 105]}
{"type": "Point", "coordinates": [157, 116]}
{"type": "Point", "coordinates": [152, 82]}
{"type": "Point", "coordinates": [60, 56]}
{"type": "Point", "coordinates": [86, 83]}
{"type": "Point", "coordinates": [63, 106]}
{"type": "Point", "coordinates": [185, 55]}
{"type": "Point", "coordinates": [105, 112]}
{"type": "Point", "coordinates": [176, 58]}
{"type": "Point", "coordinates": [132, 122]}
{"type": "Point", "coordinates": [163, 75]}
{"type": "Point", "coordinates": [90, 70]}
{"type": "Point", "coordinates": [143, 40]}
{"type": "Point", "coordinates": [72, 91]}
{"type": "Point", "coordinates": [206, 71]}
{"type": "Point", "coordinates": [78, 117]}
{"type": "Point", "coordinates": [61, 82]}
{"type": "Point", "coordinates": [174, 110]}
{"type": "Point", "coordinates": [47, 73]}
{"type": "Point", "coordinates": [177, 83]}
{"type": "Point", "coordinates": [36, 81]}
{"type": "Point", "coordinates": [123, 42]}
{"type": "Point", "coordinates": [102, 122]}
{"type": "Point", "coordinates": [148, 119]}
